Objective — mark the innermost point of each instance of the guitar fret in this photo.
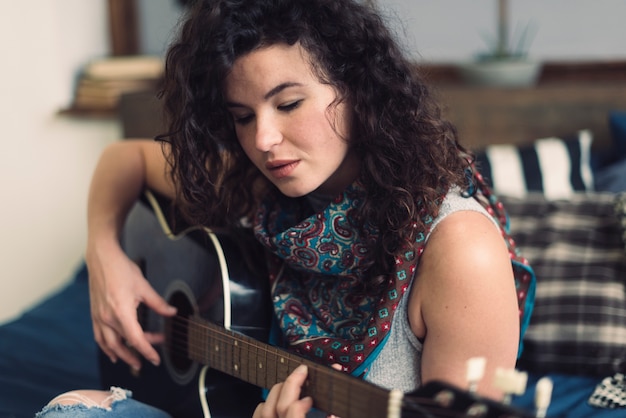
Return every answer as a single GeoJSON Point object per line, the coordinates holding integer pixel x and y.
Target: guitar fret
{"type": "Point", "coordinates": [225, 353]}
{"type": "Point", "coordinates": [250, 366]}
{"type": "Point", "coordinates": [282, 369]}
{"type": "Point", "coordinates": [236, 359]}
{"type": "Point", "coordinates": [258, 366]}
{"type": "Point", "coordinates": [261, 366]}
{"type": "Point", "coordinates": [266, 369]}
{"type": "Point", "coordinates": [277, 366]}
{"type": "Point", "coordinates": [206, 352]}
{"type": "Point", "coordinates": [218, 361]}
{"type": "Point", "coordinates": [270, 368]}
{"type": "Point", "coordinates": [196, 342]}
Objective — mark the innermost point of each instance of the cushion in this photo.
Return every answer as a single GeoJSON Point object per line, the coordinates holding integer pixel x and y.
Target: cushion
{"type": "Point", "coordinates": [612, 177]}
{"type": "Point", "coordinates": [557, 167]}
{"type": "Point", "coordinates": [617, 124]}
{"type": "Point", "coordinates": [575, 246]}
{"type": "Point", "coordinates": [620, 211]}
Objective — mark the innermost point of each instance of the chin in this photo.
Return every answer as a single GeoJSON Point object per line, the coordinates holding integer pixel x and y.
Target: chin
{"type": "Point", "coordinates": [294, 192]}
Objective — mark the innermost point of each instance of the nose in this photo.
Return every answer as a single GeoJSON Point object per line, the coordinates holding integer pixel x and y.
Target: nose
{"type": "Point", "coordinates": [268, 133]}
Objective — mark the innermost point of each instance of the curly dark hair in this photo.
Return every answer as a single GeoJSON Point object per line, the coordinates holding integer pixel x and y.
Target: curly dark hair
{"type": "Point", "coordinates": [410, 155]}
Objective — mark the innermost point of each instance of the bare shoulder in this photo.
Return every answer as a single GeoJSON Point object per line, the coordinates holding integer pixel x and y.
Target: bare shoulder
{"type": "Point", "coordinates": [150, 156]}
{"type": "Point", "coordinates": [465, 244]}
{"type": "Point", "coordinates": [463, 302]}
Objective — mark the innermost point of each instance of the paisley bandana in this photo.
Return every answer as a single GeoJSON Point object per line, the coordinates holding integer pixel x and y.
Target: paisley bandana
{"type": "Point", "coordinates": [318, 267]}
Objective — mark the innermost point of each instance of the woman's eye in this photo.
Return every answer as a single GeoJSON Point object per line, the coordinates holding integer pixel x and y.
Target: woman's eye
{"type": "Point", "coordinates": [242, 119]}
{"type": "Point", "coordinates": [290, 106]}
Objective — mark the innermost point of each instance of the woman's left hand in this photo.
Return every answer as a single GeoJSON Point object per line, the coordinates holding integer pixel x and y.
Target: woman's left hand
{"type": "Point", "coordinates": [284, 400]}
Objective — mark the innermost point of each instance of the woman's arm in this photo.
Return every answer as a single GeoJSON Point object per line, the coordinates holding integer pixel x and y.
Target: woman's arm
{"type": "Point", "coordinates": [463, 303]}
{"type": "Point", "coordinates": [117, 285]}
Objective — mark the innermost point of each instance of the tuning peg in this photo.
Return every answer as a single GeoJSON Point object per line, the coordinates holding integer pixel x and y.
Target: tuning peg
{"type": "Point", "coordinates": [511, 382]}
{"type": "Point", "coordinates": [543, 396]}
{"type": "Point", "coordinates": [475, 372]}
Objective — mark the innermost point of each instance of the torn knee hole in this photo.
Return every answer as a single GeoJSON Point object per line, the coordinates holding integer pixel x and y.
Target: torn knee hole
{"type": "Point", "coordinates": [90, 398]}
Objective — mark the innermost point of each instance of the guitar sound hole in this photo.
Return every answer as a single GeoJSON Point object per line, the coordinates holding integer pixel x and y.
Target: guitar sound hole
{"type": "Point", "coordinates": [178, 347]}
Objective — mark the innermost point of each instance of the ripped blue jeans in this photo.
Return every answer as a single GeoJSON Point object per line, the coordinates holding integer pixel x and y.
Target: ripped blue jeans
{"type": "Point", "coordinates": [118, 404]}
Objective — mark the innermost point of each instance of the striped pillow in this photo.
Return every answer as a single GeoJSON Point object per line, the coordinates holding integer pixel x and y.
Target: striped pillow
{"type": "Point", "coordinates": [554, 166]}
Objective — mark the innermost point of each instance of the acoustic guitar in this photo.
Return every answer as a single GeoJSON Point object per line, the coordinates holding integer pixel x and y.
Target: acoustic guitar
{"type": "Point", "coordinates": [222, 323]}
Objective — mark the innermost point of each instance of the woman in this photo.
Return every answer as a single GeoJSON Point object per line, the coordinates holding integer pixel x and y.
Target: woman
{"type": "Point", "coordinates": [384, 247]}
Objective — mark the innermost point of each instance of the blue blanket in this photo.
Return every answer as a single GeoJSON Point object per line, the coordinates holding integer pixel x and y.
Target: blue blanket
{"type": "Point", "coordinates": [48, 350]}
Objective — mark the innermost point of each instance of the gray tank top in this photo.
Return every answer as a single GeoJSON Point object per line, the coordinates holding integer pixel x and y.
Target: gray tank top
{"type": "Point", "coordinates": [398, 364]}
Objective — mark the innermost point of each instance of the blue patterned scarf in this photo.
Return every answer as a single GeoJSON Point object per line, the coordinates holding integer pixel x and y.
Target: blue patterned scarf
{"type": "Point", "coordinates": [318, 268]}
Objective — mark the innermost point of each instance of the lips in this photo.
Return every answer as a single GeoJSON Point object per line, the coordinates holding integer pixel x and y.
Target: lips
{"type": "Point", "coordinates": [281, 168]}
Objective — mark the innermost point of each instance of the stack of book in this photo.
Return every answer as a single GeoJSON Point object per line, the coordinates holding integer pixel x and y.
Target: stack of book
{"type": "Point", "coordinates": [103, 81]}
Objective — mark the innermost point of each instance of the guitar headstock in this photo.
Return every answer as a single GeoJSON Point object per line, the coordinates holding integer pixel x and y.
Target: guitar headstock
{"type": "Point", "coordinates": [439, 399]}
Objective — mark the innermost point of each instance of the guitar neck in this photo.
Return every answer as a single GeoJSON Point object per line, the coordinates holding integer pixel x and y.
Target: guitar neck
{"type": "Point", "coordinates": [264, 365]}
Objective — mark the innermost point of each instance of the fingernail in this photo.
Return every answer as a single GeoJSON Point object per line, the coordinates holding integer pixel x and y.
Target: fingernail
{"type": "Point", "coordinates": [301, 369]}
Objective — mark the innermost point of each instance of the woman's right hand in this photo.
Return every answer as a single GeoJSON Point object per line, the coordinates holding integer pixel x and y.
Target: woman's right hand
{"type": "Point", "coordinates": [116, 283]}
{"type": "Point", "coordinates": [116, 288]}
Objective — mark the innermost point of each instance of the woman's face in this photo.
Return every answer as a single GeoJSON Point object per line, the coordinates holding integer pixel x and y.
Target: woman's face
{"type": "Point", "coordinates": [285, 124]}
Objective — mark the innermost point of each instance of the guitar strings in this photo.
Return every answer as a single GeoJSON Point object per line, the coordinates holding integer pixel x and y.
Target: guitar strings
{"type": "Point", "coordinates": [420, 406]}
{"type": "Point", "coordinates": [210, 355]}
{"type": "Point", "coordinates": [426, 407]}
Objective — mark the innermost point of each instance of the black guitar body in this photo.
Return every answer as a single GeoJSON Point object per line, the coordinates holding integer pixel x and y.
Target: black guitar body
{"type": "Point", "coordinates": [186, 271]}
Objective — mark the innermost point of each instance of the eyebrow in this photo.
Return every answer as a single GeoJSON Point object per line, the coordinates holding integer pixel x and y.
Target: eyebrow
{"type": "Point", "coordinates": [273, 92]}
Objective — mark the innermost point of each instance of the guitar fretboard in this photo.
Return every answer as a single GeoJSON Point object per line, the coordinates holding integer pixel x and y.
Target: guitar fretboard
{"type": "Point", "coordinates": [264, 365]}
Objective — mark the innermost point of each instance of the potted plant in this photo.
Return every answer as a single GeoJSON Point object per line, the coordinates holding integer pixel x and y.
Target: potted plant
{"type": "Point", "coordinates": [506, 63]}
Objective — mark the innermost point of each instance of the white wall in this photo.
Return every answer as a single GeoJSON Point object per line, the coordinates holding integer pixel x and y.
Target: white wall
{"type": "Point", "coordinates": [48, 159]}
{"type": "Point", "coordinates": [455, 30]}
{"type": "Point", "coordinates": [452, 30]}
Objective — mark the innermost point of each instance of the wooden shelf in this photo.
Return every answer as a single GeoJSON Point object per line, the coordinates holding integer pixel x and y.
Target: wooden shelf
{"type": "Point", "coordinates": [76, 112]}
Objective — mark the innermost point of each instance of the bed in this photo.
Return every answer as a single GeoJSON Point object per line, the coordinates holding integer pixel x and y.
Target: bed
{"type": "Point", "coordinates": [569, 225]}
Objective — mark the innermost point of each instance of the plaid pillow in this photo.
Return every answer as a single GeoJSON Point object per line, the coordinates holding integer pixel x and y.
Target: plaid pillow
{"type": "Point", "coordinates": [620, 211]}
{"type": "Point", "coordinates": [575, 246]}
